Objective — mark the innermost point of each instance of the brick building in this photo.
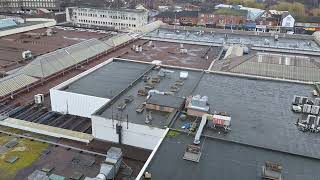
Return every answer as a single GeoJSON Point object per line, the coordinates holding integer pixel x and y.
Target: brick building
{"type": "Point", "coordinates": [186, 18]}
{"type": "Point", "coordinates": [222, 18]}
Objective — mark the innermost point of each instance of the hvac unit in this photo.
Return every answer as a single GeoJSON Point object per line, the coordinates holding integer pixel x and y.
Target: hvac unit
{"type": "Point", "coordinates": [184, 75]}
{"type": "Point", "coordinates": [297, 100]}
{"type": "Point", "coordinates": [183, 51]}
{"type": "Point", "coordinates": [311, 119]}
{"type": "Point", "coordinates": [110, 167]}
{"type": "Point", "coordinates": [304, 100]}
{"type": "Point", "coordinates": [26, 55]}
{"type": "Point", "coordinates": [39, 99]}
{"type": "Point", "coordinates": [306, 108]}
{"type": "Point", "coordinates": [296, 108]}
{"type": "Point", "coordinates": [315, 110]}
{"type": "Point", "coordinates": [49, 32]}
{"type": "Point", "coordinates": [317, 101]}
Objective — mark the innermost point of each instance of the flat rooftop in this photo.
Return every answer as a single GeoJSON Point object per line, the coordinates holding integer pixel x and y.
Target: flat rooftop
{"type": "Point", "coordinates": [219, 38]}
{"type": "Point", "coordinates": [224, 160]}
{"type": "Point", "coordinates": [261, 112]}
{"type": "Point", "coordinates": [109, 80]}
{"type": "Point", "coordinates": [160, 119]}
{"type": "Point", "coordinates": [169, 53]}
{"type": "Point", "coordinates": [277, 65]}
{"type": "Point", "coordinates": [12, 46]}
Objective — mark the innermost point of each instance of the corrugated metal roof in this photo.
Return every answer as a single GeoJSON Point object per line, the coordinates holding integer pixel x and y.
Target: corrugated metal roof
{"type": "Point", "coordinates": [281, 66]}
{"type": "Point", "coordinates": [58, 60]}
{"type": "Point", "coordinates": [13, 83]}
{"type": "Point", "coordinates": [149, 27]}
{"type": "Point", "coordinates": [119, 39]}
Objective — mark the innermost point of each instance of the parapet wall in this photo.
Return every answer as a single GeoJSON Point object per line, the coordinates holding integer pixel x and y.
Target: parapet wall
{"type": "Point", "coordinates": [238, 32]}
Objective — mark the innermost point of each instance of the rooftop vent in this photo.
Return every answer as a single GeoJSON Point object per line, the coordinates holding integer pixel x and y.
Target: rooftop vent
{"type": "Point", "coordinates": [272, 171]}
{"type": "Point", "coordinates": [192, 153]}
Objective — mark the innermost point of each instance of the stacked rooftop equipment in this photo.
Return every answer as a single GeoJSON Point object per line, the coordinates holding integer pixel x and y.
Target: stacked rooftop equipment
{"type": "Point", "coordinates": [110, 167]}
{"type": "Point", "coordinates": [309, 108]}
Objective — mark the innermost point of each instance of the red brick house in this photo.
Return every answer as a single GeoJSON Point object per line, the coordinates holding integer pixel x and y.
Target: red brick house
{"type": "Point", "coordinates": [222, 18]}
{"type": "Point", "coordinates": [185, 18]}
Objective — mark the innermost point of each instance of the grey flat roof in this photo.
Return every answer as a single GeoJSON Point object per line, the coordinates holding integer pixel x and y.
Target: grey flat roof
{"type": "Point", "coordinates": [108, 80]}
{"type": "Point", "coordinates": [225, 160]}
{"type": "Point", "coordinates": [261, 112]}
{"type": "Point", "coordinates": [160, 119]}
{"type": "Point", "coordinates": [168, 101]}
{"type": "Point", "coordinates": [219, 38]}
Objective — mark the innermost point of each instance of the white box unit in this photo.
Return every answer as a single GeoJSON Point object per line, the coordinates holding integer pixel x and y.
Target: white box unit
{"type": "Point", "coordinates": [317, 101]}
{"type": "Point", "coordinates": [311, 119]}
{"type": "Point", "coordinates": [315, 110]}
{"type": "Point", "coordinates": [39, 99]}
{"type": "Point", "coordinates": [184, 75]}
{"type": "Point", "coordinates": [26, 55]}
{"type": "Point", "coordinates": [306, 108]}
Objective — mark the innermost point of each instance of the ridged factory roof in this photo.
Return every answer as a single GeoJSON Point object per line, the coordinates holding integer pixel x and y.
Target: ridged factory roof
{"type": "Point", "coordinates": [149, 27]}
{"type": "Point", "coordinates": [58, 60]}
{"type": "Point", "coordinates": [13, 83]}
{"type": "Point", "coordinates": [284, 66]}
{"type": "Point", "coordinates": [119, 39]}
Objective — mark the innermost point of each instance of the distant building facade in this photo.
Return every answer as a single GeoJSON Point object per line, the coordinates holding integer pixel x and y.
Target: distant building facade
{"type": "Point", "coordinates": [273, 20]}
{"type": "Point", "coordinates": [16, 5]}
{"type": "Point", "coordinates": [187, 18]}
{"type": "Point", "coordinates": [118, 19]}
{"type": "Point", "coordinates": [221, 18]}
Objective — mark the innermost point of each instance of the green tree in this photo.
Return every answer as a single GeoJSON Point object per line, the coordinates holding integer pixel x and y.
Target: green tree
{"type": "Point", "coordinates": [248, 3]}
{"type": "Point", "coordinates": [294, 8]}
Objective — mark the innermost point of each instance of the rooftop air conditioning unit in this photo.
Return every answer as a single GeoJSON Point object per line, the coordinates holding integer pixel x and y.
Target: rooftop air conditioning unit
{"type": "Point", "coordinates": [26, 55]}
{"type": "Point", "coordinates": [183, 75]}
{"type": "Point", "coordinates": [39, 99]}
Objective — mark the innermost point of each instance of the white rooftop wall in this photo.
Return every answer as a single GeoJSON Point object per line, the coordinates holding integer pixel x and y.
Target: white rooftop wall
{"type": "Point", "coordinates": [75, 104]}
{"type": "Point", "coordinates": [142, 136]}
